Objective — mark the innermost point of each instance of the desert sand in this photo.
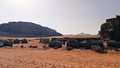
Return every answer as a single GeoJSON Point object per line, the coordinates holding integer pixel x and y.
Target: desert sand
{"type": "Point", "coordinates": [17, 57]}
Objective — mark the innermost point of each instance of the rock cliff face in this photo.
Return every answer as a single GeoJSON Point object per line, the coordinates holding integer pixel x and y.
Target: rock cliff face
{"type": "Point", "coordinates": [26, 29]}
{"type": "Point", "coordinates": [111, 29]}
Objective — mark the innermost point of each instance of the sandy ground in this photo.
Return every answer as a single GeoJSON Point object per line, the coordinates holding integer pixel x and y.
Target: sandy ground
{"type": "Point", "coordinates": [16, 57]}
{"type": "Point", "coordinates": [60, 58]}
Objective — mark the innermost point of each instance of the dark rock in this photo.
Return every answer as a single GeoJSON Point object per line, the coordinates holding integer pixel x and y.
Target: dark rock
{"type": "Point", "coordinates": [111, 29]}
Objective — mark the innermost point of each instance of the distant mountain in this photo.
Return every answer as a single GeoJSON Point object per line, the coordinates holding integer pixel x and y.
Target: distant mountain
{"type": "Point", "coordinates": [80, 34]}
{"type": "Point", "coordinates": [83, 33]}
{"type": "Point", "coordinates": [26, 29]}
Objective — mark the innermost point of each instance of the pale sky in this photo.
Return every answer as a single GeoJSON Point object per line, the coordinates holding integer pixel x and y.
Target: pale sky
{"type": "Point", "coordinates": [65, 16]}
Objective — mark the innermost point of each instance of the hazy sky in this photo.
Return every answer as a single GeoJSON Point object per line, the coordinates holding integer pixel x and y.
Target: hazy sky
{"type": "Point", "coordinates": [65, 16]}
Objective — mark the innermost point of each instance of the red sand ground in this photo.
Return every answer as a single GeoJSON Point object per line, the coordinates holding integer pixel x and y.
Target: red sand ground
{"type": "Point", "coordinates": [55, 58]}
{"type": "Point", "coordinates": [60, 58]}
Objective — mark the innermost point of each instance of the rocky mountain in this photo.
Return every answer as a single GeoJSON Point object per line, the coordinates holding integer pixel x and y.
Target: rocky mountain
{"type": "Point", "coordinates": [111, 29]}
{"type": "Point", "coordinates": [80, 34]}
{"type": "Point", "coordinates": [26, 29]}
{"type": "Point", "coordinates": [83, 34]}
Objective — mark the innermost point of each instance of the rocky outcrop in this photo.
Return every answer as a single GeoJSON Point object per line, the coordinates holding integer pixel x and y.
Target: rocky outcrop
{"type": "Point", "coordinates": [111, 29]}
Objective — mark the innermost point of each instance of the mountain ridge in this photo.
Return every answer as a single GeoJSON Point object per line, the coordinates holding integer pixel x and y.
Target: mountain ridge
{"type": "Point", "coordinates": [26, 29]}
{"type": "Point", "coordinates": [80, 34]}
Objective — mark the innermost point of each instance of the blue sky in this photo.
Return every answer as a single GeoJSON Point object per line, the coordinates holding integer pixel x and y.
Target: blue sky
{"type": "Point", "coordinates": [65, 16]}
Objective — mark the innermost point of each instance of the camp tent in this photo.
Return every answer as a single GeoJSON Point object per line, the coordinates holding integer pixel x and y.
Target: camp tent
{"type": "Point", "coordinates": [8, 43]}
{"type": "Point", "coordinates": [24, 41]}
{"type": "Point", "coordinates": [1, 44]}
{"type": "Point", "coordinates": [72, 44]}
{"type": "Point", "coordinates": [55, 44]}
{"type": "Point", "coordinates": [16, 41]}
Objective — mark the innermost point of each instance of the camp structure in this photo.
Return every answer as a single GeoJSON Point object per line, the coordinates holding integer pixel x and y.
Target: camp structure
{"type": "Point", "coordinates": [94, 42]}
{"type": "Point", "coordinates": [24, 41]}
{"type": "Point", "coordinates": [55, 44]}
{"type": "Point", "coordinates": [83, 42]}
{"type": "Point", "coordinates": [113, 45]}
{"type": "Point", "coordinates": [8, 43]}
{"type": "Point", "coordinates": [16, 41]}
{"type": "Point", "coordinates": [5, 43]}
{"type": "Point", "coordinates": [1, 43]}
{"type": "Point", "coordinates": [62, 40]}
{"type": "Point", "coordinates": [44, 40]}
{"type": "Point", "coordinates": [70, 44]}
{"type": "Point", "coordinates": [84, 45]}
